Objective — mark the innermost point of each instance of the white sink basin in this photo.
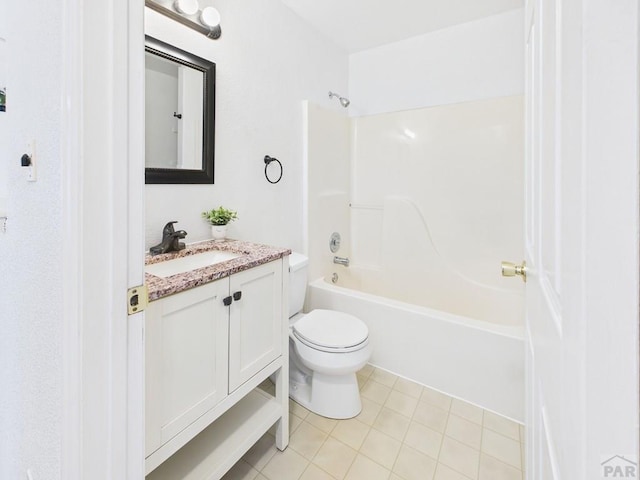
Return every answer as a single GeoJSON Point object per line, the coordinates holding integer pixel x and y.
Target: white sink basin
{"type": "Point", "coordinates": [188, 263]}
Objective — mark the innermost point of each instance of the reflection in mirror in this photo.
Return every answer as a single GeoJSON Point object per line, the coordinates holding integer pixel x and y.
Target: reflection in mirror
{"type": "Point", "coordinates": [174, 114]}
{"type": "Point", "coordinates": [179, 115]}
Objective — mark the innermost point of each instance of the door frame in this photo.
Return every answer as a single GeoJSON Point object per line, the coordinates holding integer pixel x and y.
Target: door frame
{"type": "Point", "coordinates": [102, 142]}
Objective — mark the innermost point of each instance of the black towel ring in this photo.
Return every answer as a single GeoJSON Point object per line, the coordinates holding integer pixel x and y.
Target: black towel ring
{"type": "Point", "coordinates": [267, 161]}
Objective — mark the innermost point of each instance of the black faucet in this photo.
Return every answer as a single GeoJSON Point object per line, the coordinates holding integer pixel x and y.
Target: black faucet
{"type": "Point", "coordinates": [170, 240]}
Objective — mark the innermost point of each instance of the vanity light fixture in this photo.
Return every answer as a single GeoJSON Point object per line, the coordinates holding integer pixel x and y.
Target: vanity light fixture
{"type": "Point", "coordinates": [210, 17]}
{"type": "Point", "coordinates": [188, 13]}
{"type": "Point", "coordinates": [186, 7]}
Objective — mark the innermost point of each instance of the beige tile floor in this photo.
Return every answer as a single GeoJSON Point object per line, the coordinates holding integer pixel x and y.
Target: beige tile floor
{"type": "Point", "coordinates": [404, 432]}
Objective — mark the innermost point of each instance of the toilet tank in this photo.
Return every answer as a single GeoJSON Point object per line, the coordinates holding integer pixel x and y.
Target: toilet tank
{"type": "Point", "coordinates": [297, 282]}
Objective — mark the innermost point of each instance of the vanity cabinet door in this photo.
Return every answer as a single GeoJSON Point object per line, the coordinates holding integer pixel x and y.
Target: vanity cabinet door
{"type": "Point", "coordinates": [255, 322]}
{"type": "Point", "coordinates": [186, 341]}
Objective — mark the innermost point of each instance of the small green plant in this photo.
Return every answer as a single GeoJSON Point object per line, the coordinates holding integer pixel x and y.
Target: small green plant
{"type": "Point", "coordinates": [220, 216]}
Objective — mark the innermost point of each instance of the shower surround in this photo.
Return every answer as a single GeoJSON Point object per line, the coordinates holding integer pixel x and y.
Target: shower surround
{"type": "Point", "coordinates": [434, 202]}
{"type": "Point", "coordinates": [437, 204]}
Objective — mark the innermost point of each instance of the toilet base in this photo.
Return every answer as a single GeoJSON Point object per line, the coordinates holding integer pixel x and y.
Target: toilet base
{"type": "Point", "coordinates": [332, 396]}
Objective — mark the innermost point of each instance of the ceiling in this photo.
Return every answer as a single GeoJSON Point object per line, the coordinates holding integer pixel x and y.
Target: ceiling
{"type": "Point", "coordinates": [361, 24]}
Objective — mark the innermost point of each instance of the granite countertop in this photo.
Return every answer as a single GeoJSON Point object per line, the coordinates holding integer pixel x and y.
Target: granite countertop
{"type": "Point", "coordinates": [253, 254]}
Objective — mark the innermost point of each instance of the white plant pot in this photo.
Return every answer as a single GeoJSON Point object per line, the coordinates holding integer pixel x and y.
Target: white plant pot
{"type": "Point", "coordinates": [219, 232]}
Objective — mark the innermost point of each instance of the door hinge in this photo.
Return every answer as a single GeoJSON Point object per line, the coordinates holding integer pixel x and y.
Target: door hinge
{"type": "Point", "coordinates": [137, 299]}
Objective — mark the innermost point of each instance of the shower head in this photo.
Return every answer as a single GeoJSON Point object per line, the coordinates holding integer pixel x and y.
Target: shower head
{"type": "Point", "coordinates": [343, 100]}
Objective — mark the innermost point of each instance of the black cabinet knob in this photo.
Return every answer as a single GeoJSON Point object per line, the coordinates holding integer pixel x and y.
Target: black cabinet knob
{"type": "Point", "coordinates": [227, 301]}
{"type": "Point", "coordinates": [237, 296]}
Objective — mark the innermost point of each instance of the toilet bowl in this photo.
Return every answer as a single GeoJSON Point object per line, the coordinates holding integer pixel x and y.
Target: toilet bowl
{"type": "Point", "coordinates": [326, 349]}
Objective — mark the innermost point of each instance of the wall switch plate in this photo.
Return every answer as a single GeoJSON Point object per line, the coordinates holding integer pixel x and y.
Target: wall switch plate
{"type": "Point", "coordinates": [31, 169]}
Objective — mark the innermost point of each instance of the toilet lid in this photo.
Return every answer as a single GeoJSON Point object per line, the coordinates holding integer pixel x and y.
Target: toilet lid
{"type": "Point", "coordinates": [331, 329]}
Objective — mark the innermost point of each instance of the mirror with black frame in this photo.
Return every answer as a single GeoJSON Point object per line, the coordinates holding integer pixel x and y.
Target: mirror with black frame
{"type": "Point", "coordinates": [179, 115]}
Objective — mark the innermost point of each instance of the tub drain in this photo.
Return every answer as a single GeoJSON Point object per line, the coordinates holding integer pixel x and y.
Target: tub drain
{"type": "Point", "coordinates": [334, 278]}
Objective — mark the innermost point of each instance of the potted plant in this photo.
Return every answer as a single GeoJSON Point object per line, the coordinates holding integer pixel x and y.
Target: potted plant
{"type": "Point", "coordinates": [219, 218]}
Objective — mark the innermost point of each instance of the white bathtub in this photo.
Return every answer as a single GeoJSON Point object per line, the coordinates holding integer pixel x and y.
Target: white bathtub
{"type": "Point", "coordinates": [476, 361]}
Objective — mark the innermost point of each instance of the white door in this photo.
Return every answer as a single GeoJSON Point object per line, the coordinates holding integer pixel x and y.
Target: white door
{"type": "Point", "coordinates": [581, 238]}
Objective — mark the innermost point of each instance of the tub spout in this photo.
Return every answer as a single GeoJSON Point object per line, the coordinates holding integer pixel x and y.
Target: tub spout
{"type": "Point", "coordinates": [341, 261]}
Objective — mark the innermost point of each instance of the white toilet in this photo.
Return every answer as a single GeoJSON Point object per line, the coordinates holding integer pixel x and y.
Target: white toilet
{"type": "Point", "coordinates": [326, 349]}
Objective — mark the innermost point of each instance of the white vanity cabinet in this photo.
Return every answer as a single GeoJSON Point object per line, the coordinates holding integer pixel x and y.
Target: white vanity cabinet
{"type": "Point", "coordinates": [207, 349]}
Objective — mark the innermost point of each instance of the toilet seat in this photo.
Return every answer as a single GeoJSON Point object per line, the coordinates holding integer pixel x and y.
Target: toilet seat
{"type": "Point", "coordinates": [331, 331]}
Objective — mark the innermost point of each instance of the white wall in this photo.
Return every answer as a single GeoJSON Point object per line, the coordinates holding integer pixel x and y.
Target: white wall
{"type": "Point", "coordinates": [268, 61]}
{"type": "Point", "coordinates": [30, 251]}
{"type": "Point", "coordinates": [472, 61]}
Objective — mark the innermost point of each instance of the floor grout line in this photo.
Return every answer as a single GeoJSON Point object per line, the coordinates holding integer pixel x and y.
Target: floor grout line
{"type": "Point", "coordinates": [480, 447]}
{"type": "Point", "coordinates": [444, 434]}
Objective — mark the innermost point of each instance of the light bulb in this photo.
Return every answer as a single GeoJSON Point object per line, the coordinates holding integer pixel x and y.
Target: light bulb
{"type": "Point", "coordinates": [186, 7]}
{"type": "Point", "coordinates": [210, 17]}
